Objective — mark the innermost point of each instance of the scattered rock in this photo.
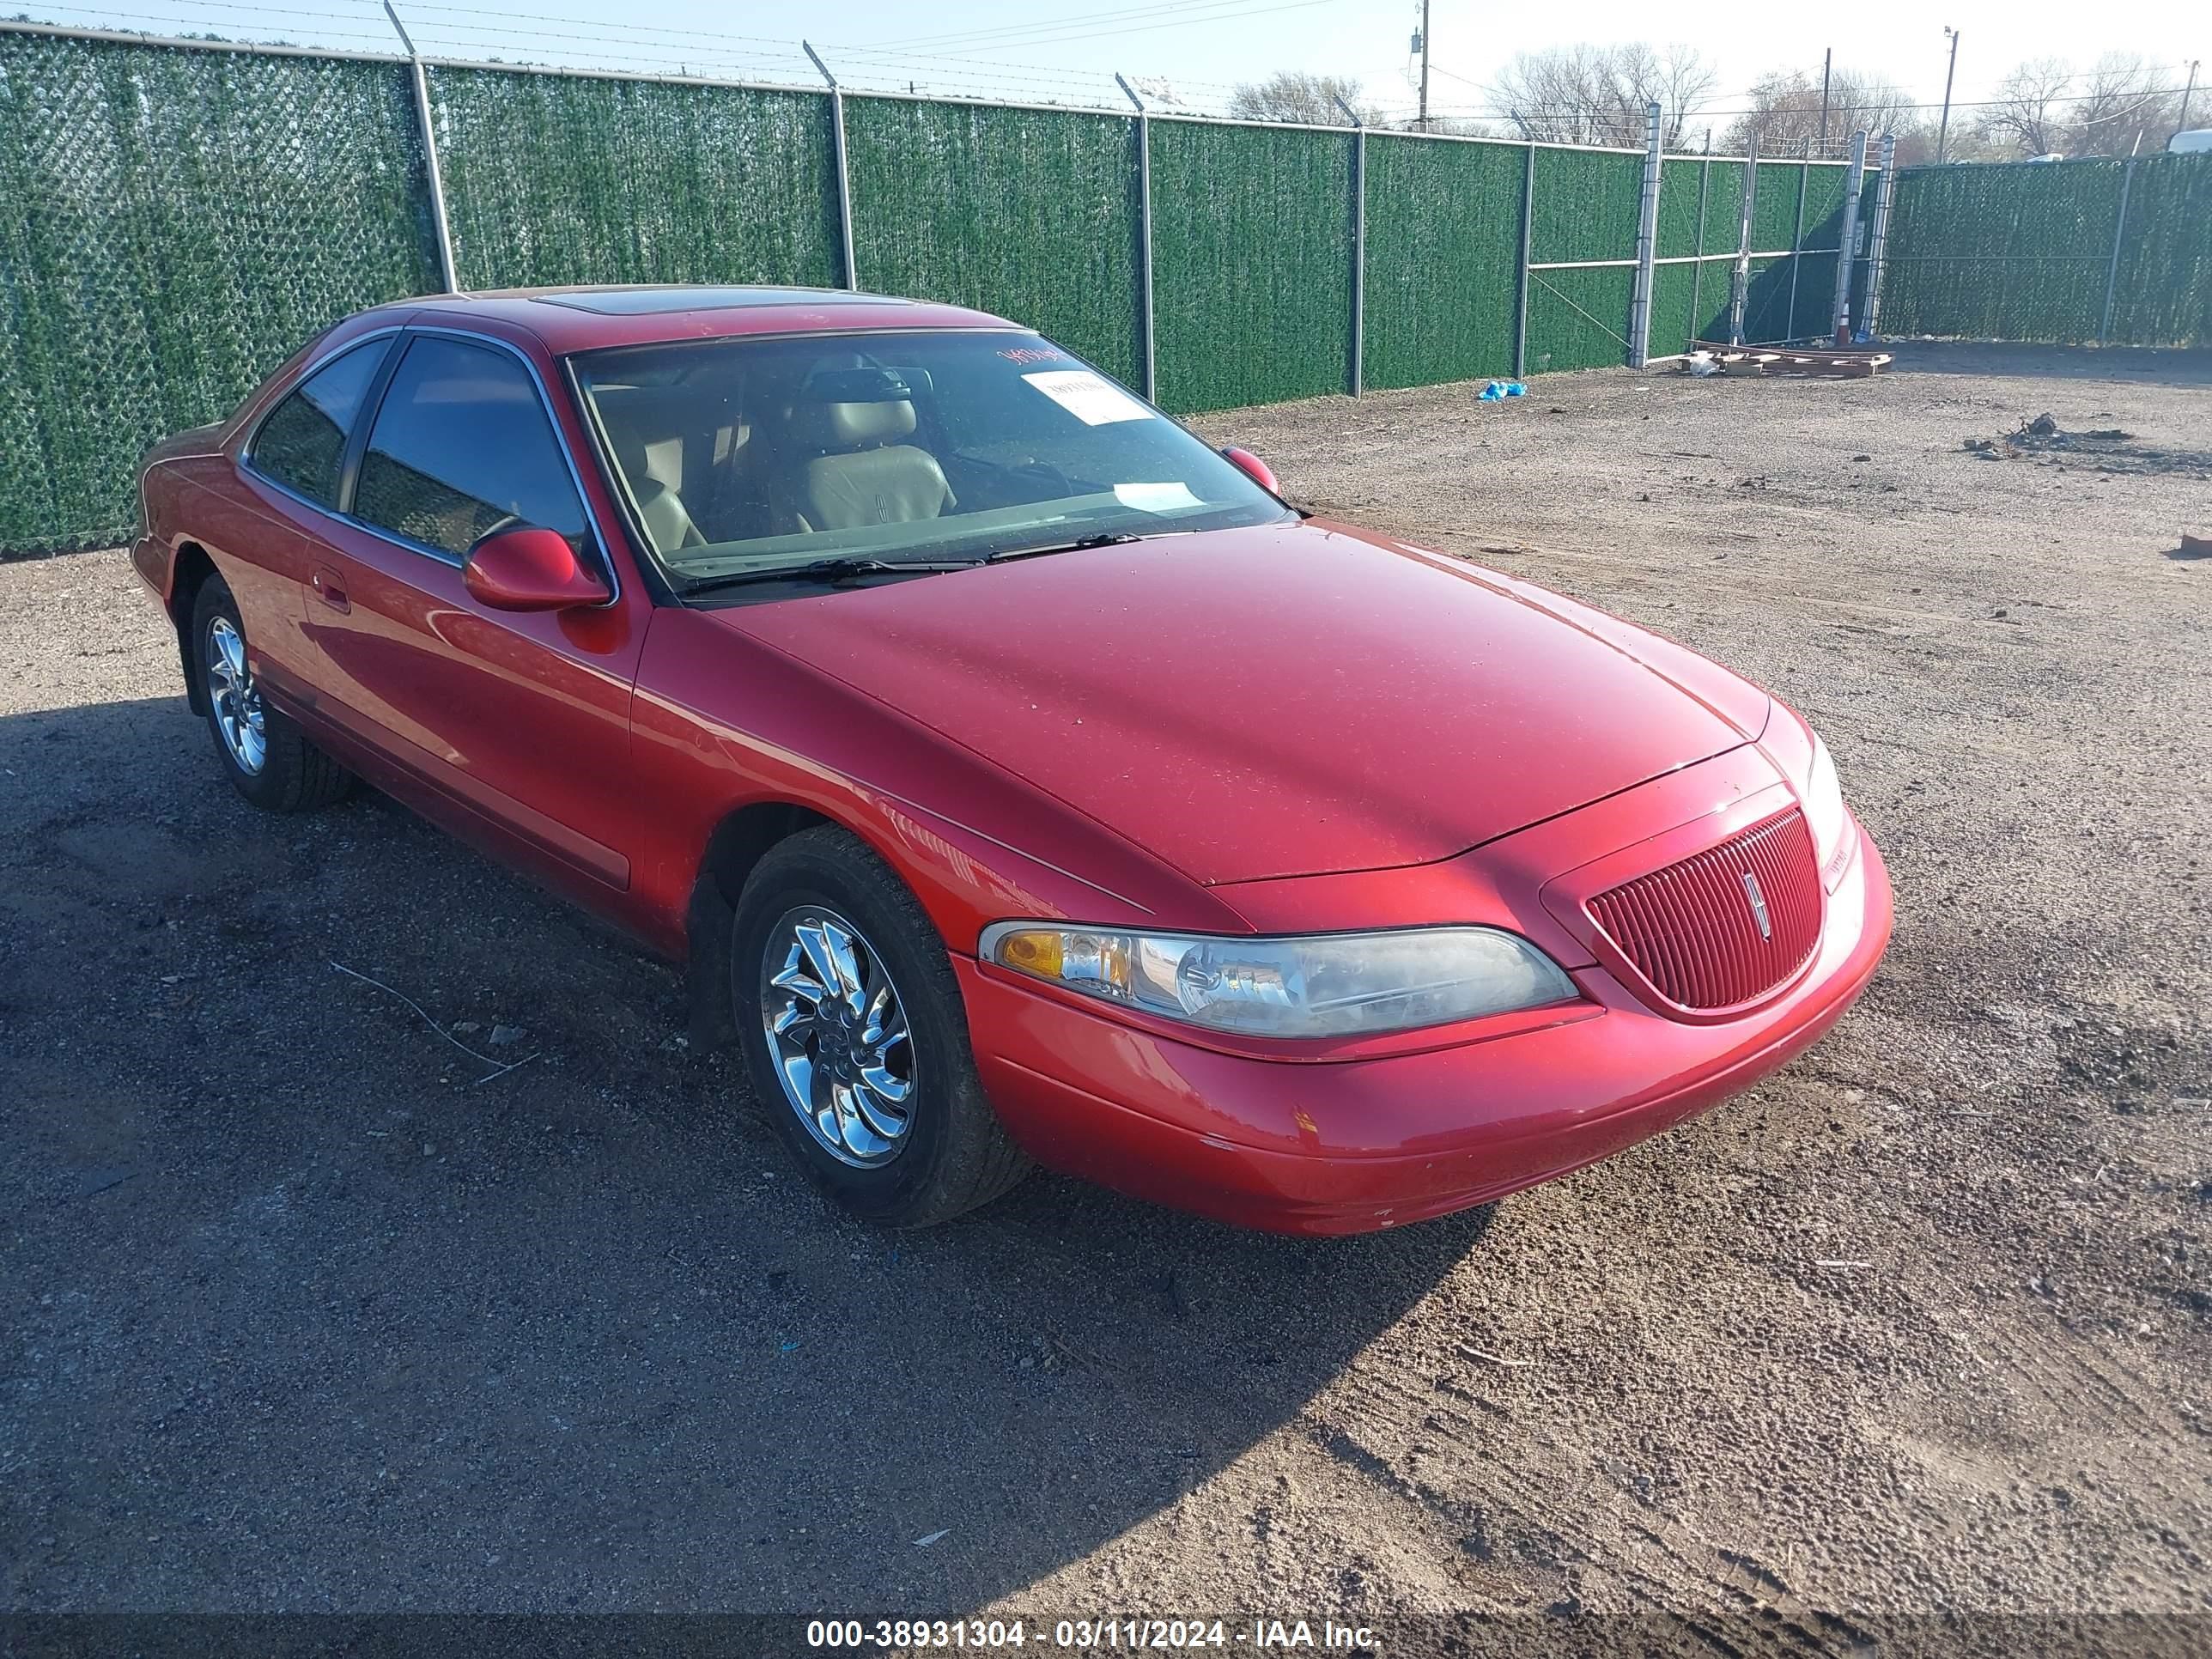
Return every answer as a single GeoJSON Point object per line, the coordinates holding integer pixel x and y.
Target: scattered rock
{"type": "Point", "coordinates": [502, 1035]}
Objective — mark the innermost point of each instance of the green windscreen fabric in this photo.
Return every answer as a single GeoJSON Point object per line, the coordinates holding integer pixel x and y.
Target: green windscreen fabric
{"type": "Point", "coordinates": [1814, 313]}
{"type": "Point", "coordinates": [1698, 207]}
{"type": "Point", "coordinates": [2163, 293]}
{"type": "Point", "coordinates": [1444, 260]}
{"type": "Point", "coordinates": [174, 224]}
{"type": "Point", "coordinates": [1251, 263]}
{"type": "Point", "coordinates": [1028, 214]}
{"type": "Point", "coordinates": [2017, 252]}
{"type": "Point", "coordinates": [1775, 282]}
{"type": "Point", "coordinates": [1586, 204]}
{"type": "Point", "coordinates": [554, 179]}
{"type": "Point", "coordinates": [1682, 185]}
{"type": "Point", "coordinates": [2023, 251]}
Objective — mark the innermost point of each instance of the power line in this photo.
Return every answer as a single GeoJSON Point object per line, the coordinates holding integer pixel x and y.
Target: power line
{"type": "Point", "coordinates": [1183, 21]}
{"type": "Point", "coordinates": [959, 37]}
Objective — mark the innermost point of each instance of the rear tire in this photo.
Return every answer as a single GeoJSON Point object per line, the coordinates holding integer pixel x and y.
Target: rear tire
{"type": "Point", "coordinates": [856, 1038]}
{"type": "Point", "coordinates": [267, 758]}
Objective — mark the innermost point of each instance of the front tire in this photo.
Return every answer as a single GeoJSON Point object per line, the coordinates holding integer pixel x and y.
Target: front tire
{"type": "Point", "coordinates": [856, 1038]}
{"type": "Point", "coordinates": [267, 758]}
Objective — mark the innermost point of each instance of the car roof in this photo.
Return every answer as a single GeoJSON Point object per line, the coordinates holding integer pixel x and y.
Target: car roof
{"type": "Point", "coordinates": [584, 319]}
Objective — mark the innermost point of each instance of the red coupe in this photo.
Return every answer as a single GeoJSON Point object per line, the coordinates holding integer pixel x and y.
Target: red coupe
{"type": "Point", "coordinates": [1019, 778]}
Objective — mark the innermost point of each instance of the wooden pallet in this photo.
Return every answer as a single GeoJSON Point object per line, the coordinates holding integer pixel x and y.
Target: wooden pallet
{"type": "Point", "coordinates": [1830, 363]}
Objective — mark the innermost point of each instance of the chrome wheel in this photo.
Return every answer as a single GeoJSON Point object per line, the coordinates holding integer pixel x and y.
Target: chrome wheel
{"type": "Point", "coordinates": [235, 697]}
{"type": "Point", "coordinates": [837, 1036]}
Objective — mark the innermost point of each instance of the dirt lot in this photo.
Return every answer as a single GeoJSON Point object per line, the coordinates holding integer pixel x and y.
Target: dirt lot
{"type": "Point", "coordinates": [295, 1315]}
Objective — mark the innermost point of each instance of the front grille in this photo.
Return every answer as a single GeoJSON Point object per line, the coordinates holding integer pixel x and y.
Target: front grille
{"type": "Point", "coordinates": [1692, 929]}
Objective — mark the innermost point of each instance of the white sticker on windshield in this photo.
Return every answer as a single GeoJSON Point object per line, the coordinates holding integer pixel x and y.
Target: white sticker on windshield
{"type": "Point", "coordinates": [1155, 497]}
{"type": "Point", "coordinates": [1091, 397]}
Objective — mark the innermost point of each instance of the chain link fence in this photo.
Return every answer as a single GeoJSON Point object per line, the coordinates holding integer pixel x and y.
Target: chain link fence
{"type": "Point", "coordinates": [173, 226]}
{"type": "Point", "coordinates": [176, 218]}
{"type": "Point", "coordinates": [2113, 252]}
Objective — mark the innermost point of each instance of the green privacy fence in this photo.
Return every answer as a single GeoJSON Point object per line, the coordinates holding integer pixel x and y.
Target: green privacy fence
{"type": "Point", "coordinates": [176, 218]}
{"type": "Point", "coordinates": [1030, 213]}
{"type": "Point", "coordinates": [552, 179]}
{"type": "Point", "coordinates": [2114, 251]}
{"type": "Point", "coordinates": [1252, 263]}
{"type": "Point", "coordinates": [173, 226]}
{"type": "Point", "coordinates": [1442, 259]}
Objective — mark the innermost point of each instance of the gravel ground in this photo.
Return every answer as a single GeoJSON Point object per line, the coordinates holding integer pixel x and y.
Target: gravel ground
{"type": "Point", "coordinates": [297, 1314]}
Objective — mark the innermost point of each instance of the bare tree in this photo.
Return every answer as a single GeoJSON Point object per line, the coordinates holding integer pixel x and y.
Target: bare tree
{"type": "Point", "coordinates": [1299, 95]}
{"type": "Point", "coordinates": [1785, 113]}
{"type": "Point", "coordinates": [2028, 114]}
{"type": "Point", "coordinates": [1590, 95]}
{"type": "Point", "coordinates": [2120, 105]}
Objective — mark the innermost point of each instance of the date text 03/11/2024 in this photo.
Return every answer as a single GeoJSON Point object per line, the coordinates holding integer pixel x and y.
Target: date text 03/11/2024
{"type": "Point", "coordinates": [1129, 1633]}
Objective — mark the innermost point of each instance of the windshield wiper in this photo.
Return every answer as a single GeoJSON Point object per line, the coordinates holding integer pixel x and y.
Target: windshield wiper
{"type": "Point", "coordinates": [829, 571]}
{"type": "Point", "coordinates": [1108, 539]}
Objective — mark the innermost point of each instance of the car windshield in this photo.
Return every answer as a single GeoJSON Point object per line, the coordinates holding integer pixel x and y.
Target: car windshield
{"type": "Point", "coordinates": [749, 456]}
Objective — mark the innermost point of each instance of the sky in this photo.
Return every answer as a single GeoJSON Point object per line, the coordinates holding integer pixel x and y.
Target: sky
{"type": "Point", "coordinates": [1018, 49]}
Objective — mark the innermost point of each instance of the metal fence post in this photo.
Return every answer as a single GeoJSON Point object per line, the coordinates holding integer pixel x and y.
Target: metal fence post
{"type": "Point", "coordinates": [1145, 235]}
{"type": "Point", "coordinates": [1798, 236]}
{"type": "Point", "coordinates": [1528, 225]}
{"type": "Point", "coordinates": [1739, 283]}
{"type": "Point", "coordinates": [1697, 265]}
{"type": "Point", "coordinates": [1847, 252]}
{"type": "Point", "coordinates": [1358, 248]}
{"type": "Point", "coordinates": [844, 170]}
{"type": "Point", "coordinates": [439, 223]}
{"type": "Point", "coordinates": [1647, 246]}
{"type": "Point", "coordinates": [2119, 229]}
{"type": "Point", "coordinates": [1878, 244]}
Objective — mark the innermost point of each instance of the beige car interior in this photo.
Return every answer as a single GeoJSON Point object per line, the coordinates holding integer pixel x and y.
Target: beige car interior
{"type": "Point", "coordinates": [863, 473]}
{"type": "Point", "coordinates": [700, 473]}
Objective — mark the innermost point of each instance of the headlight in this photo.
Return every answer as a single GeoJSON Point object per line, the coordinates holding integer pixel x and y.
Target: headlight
{"type": "Point", "coordinates": [1825, 815]}
{"type": "Point", "coordinates": [1320, 985]}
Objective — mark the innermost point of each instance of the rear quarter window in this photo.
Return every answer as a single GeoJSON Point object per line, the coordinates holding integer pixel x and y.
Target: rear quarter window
{"type": "Point", "coordinates": [301, 444]}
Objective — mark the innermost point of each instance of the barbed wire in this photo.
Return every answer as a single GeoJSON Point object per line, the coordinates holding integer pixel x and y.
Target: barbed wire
{"type": "Point", "coordinates": [691, 53]}
{"type": "Point", "coordinates": [897, 66]}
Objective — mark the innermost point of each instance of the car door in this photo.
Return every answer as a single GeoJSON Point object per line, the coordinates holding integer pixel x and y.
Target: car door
{"type": "Point", "coordinates": [293, 464]}
{"type": "Point", "coordinates": [510, 726]}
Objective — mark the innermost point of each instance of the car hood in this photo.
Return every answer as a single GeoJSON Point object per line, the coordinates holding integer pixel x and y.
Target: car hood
{"type": "Point", "coordinates": [1286, 700]}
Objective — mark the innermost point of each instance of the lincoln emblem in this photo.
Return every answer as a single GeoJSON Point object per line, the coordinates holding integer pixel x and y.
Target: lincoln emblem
{"type": "Point", "coordinates": [1758, 905]}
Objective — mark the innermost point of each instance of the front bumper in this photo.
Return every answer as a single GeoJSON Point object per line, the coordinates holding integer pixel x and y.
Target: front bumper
{"type": "Point", "coordinates": [1358, 1146]}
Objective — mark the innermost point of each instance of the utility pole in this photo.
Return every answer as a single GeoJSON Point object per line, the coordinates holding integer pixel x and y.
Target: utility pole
{"type": "Point", "coordinates": [1425, 65]}
{"type": "Point", "coordinates": [1943, 132]}
{"type": "Point", "coordinates": [2188, 93]}
{"type": "Point", "coordinates": [1828, 65]}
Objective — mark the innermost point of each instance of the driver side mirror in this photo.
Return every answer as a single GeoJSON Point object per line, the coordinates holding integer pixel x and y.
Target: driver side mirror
{"type": "Point", "coordinates": [1253, 468]}
{"type": "Point", "coordinates": [529, 568]}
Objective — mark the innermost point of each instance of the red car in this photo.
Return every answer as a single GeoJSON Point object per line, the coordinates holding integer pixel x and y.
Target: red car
{"type": "Point", "coordinates": [1019, 778]}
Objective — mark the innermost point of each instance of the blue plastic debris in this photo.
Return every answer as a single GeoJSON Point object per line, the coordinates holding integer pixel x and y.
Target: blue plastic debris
{"type": "Point", "coordinates": [1497, 391]}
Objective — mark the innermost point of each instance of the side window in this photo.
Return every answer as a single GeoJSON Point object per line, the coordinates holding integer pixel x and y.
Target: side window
{"type": "Point", "coordinates": [302, 445]}
{"type": "Point", "coordinates": [462, 448]}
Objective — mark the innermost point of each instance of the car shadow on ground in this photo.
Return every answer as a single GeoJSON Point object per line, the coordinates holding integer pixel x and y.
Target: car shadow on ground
{"type": "Point", "coordinates": [307, 1308]}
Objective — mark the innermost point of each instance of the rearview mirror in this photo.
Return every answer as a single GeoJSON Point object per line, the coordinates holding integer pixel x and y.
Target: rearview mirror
{"type": "Point", "coordinates": [529, 568]}
{"type": "Point", "coordinates": [1253, 468]}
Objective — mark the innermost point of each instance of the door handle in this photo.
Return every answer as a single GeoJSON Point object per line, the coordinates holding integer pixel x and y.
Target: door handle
{"type": "Point", "coordinates": [330, 588]}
